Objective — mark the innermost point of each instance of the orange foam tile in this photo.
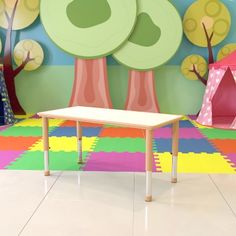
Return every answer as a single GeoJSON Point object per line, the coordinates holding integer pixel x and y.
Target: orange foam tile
{"type": "Point", "coordinates": [225, 145]}
{"type": "Point", "coordinates": [122, 132]}
{"type": "Point", "coordinates": [70, 123]}
{"type": "Point", "coordinates": [17, 143]}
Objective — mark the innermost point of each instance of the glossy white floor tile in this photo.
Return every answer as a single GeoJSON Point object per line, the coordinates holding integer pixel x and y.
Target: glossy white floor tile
{"type": "Point", "coordinates": [20, 194]}
{"type": "Point", "coordinates": [192, 207]}
{"type": "Point", "coordinates": [99, 203]}
{"type": "Point", "coordinates": [227, 186]}
{"type": "Point", "coordinates": [86, 204]}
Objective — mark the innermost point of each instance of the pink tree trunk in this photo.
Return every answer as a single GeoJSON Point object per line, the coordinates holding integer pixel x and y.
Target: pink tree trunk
{"type": "Point", "coordinates": [90, 84]}
{"type": "Point", "coordinates": [141, 92]}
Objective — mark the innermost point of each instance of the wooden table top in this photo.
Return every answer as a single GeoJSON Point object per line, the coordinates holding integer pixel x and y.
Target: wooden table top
{"type": "Point", "coordinates": [134, 119]}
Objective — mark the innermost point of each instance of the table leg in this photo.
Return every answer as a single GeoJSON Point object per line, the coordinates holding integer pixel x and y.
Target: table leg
{"type": "Point", "coordinates": [175, 145]}
{"type": "Point", "coordinates": [79, 142]}
{"type": "Point", "coordinates": [149, 155]}
{"type": "Point", "coordinates": [46, 146]}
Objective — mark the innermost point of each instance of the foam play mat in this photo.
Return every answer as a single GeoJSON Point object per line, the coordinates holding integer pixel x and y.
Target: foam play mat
{"type": "Point", "coordinates": [110, 148]}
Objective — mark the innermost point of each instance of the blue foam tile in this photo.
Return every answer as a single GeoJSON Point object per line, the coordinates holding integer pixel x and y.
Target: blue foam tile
{"type": "Point", "coordinates": [185, 145]}
{"type": "Point", "coordinates": [182, 124]}
{"type": "Point", "coordinates": [71, 131]}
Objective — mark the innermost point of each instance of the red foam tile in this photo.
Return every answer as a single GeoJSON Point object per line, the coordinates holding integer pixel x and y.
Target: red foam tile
{"type": "Point", "coordinates": [122, 132]}
{"type": "Point", "coordinates": [17, 143]}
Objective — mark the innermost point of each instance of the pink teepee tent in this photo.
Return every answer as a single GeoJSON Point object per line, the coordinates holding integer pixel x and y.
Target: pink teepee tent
{"type": "Point", "coordinates": [219, 102]}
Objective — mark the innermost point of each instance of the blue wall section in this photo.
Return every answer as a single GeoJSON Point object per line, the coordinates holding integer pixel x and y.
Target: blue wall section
{"type": "Point", "coordinates": [55, 56]}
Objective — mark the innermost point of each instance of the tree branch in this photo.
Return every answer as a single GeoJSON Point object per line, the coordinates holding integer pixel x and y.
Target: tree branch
{"type": "Point", "coordinates": [194, 70]}
{"type": "Point", "coordinates": [209, 39]}
{"type": "Point", "coordinates": [24, 63]}
{"type": "Point", "coordinates": [8, 68]}
{"type": "Point", "coordinates": [7, 16]}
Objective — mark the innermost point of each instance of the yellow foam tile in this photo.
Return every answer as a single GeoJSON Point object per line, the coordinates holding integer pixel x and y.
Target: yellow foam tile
{"type": "Point", "coordinates": [185, 118]}
{"type": "Point", "coordinates": [66, 144]}
{"type": "Point", "coordinates": [24, 116]}
{"type": "Point", "coordinates": [196, 163]}
{"type": "Point", "coordinates": [200, 126]}
{"type": "Point", "coordinates": [38, 122]}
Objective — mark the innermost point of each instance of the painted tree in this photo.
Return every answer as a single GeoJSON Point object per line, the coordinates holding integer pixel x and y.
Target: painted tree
{"type": "Point", "coordinates": [226, 50]}
{"type": "Point", "coordinates": [155, 39]}
{"type": "Point", "coordinates": [16, 15]}
{"type": "Point", "coordinates": [89, 30]}
{"type": "Point", "coordinates": [206, 24]}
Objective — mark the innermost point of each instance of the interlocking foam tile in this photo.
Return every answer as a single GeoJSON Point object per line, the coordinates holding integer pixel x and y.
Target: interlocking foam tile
{"type": "Point", "coordinates": [71, 131]}
{"type": "Point", "coordinates": [38, 122]}
{"type": "Point", "coordinates": [196, 163]}
{"type": "Point", "coordinates": [120, 145]}
{"type": "Point", "coordinates": [225, 146]}
{"type": "Point", "coordinates": [67, 144]}
{"type": "Point", "coordinates": [219, 133]}
{"type": "Point", "coordinates": [3, 128]}
{"type": "Point", "coordinates": [185, 145]}
{"type": "Point", "coordinates": [16, 131]}
{"type": "Point", "coordinates": [113, 161]}
{"type": "Point", "coordinates": [16, 143]}
{"type": "Point", "coordinates": [23, 116]}
{"type": "Point", "coordinates": [70, 123]}
{"type": "Point", "coordinates": [197, 125]}
{"type": "Point", "coordinates": [183, 124]}
{"type": "Point", "coordinates": [232, 158]}
{"type": "Point", "coordinates": [184, 133]}
{"type": "Point", "coordinates": [57, 161]}
{"type": "Point", "coordinates": [122, 132]}
{"type": "Point", "coordinates": [6, 157]}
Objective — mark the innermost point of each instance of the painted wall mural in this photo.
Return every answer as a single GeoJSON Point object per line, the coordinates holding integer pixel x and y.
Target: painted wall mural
{"type": "Point", "coordinates": [206, 24]}
{"type": "Point", "coordinates": [89, 30]}
{"type": "Point", "coordinates": [155, 39]}
{"type": "Point", "coordinates": [17, 15]}
{"type": "Point", "coordinates": [6, 114]}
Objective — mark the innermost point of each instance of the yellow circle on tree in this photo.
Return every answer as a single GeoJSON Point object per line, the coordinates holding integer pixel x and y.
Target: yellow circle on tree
{"type": "Point", "coordinates": [226, 50]}
{"type": "Point", "coordinates": [26, 13]}
{"type": "Point", "coordinates": [36, 52]}
{"type": "Point", "coordinates": [214, 15]}
{"type": "Point", "coordinates": [198, 61]}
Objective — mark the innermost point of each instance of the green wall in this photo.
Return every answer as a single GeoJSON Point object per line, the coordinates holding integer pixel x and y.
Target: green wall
{"type": "Point", "coordinates": [50, 87]}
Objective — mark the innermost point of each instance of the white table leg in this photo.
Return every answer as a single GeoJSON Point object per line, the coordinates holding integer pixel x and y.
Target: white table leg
{"type": "Point", "coordinates": [79, 142]}
{"type": "Point", "coordinates": [149, 134]}
{"type": "Point", "coordinates": [46, 146]}
{"type": "Point", "coordinates": [175, 145]}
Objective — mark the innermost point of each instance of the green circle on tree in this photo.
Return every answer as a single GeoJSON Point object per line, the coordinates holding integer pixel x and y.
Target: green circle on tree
{"type": "Point", "coordinates": [156, 36]}
{"type": "Point", "coordinates": [88, 28]}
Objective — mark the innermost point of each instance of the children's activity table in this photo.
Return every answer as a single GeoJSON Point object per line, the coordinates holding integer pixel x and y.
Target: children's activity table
{"type": "Point", "coordinates": [133, 119]}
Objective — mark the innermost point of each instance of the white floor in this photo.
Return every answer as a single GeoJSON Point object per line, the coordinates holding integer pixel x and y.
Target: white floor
{"type": "Point", "coordinates": [112, 204]}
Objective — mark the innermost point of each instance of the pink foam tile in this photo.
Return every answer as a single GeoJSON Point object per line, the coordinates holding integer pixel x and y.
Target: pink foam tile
{"type": "Point", "coordinates": [117, 162]}
{"type": "Point", "coordinates": [184, 133]}
{"type": "Point", "coordinates": [6, 157]}
{"type": "Point", "coordinates": [232, 158]}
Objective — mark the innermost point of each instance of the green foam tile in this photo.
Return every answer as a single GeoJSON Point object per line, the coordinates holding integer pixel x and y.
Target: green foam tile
{"type": "Point", "coordinates": [58, 161]}
{"type": "Point", "coordinates": [120, 145]}
{"type": "Point", "coordinates": [218, 133]}
{"type": "Point", "coordinates": [16, 131]}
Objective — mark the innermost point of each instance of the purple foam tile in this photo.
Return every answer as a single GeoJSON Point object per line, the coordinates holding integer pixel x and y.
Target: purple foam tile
{"type": "Point", "coordinates": [192, 117]}
{"type": "Point", "coordinates": [35, 116]}
{"type": "Point", "coordinates": [232, 158]}
{"type": "Point", "coordinates": [6, 157]}
{"type": "Point", "coordinates": [2, 128]}
{"type": "Point", "coordinates": [117, 162]}
{"type": "Point", "coordinates": [184, 133]}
